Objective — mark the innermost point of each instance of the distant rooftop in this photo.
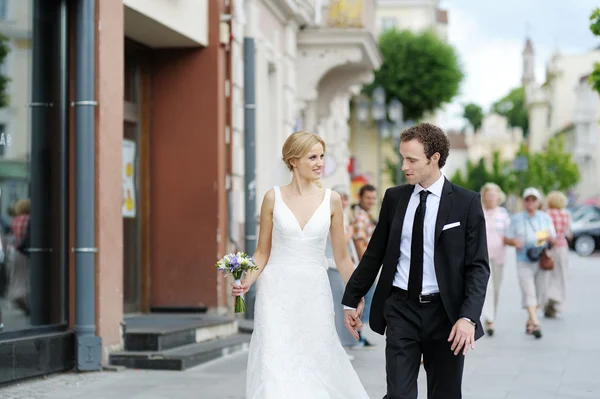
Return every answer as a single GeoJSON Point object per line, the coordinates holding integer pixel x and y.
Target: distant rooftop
{"type": "Point", "coordinates": [441, 16]}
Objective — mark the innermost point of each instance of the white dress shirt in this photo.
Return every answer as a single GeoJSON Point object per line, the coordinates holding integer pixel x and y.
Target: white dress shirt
{"type": "Point", "coordinates": [430, 284]}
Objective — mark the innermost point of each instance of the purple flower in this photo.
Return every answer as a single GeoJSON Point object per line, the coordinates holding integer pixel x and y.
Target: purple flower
{"type": "Point", "coordinates": [234, 263]}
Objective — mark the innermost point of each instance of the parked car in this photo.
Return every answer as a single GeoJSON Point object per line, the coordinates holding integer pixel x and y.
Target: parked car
{"type": "Point", "coordinates": [586, 230]}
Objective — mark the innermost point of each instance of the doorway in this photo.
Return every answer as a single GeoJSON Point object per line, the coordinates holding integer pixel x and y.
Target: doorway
{"type": "Point", "coordinates": [136, 199]}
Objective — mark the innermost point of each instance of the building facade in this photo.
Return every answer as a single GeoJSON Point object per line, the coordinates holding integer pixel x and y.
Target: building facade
{"type": "Point", "coordinates": [551, 104]}
{"type": "Point", "coordinates": [585, 143]}
{"type": "Point", "coordinates": [116, 123]}
{"type": "Point", "coordinates": [565, 105]}
{"type": "Point", "coordinates": [373, 156]}
{"type": "Point", "coordinates": [494, 135]}
{"type": "Point", "coordinates": [309, 61]}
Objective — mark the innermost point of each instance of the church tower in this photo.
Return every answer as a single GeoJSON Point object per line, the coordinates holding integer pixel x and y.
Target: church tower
{"type": "Point", "coordinates": [528, 63]}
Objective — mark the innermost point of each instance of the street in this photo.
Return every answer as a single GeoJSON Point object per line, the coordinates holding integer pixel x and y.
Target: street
{"type": "Point", "coordinates": [511, 365]}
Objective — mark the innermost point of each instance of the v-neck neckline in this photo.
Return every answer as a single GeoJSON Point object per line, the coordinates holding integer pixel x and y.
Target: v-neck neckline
{"type": "Point", "coordinates": [302, 229]}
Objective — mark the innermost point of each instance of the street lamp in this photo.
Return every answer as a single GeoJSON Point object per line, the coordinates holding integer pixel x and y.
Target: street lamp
{"type": "Point", "coordinates": [362, 110]}
{"type": "Point", "coordinates": [396, 113]}
{"type": "Point", "coordinates": [395, 110]}
{"type": "Point", "coordinates": [380, 114]}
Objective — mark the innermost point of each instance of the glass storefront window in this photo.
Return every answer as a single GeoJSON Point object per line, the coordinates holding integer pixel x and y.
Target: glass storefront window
{"type": "Point", "coordinates": [34, 194]}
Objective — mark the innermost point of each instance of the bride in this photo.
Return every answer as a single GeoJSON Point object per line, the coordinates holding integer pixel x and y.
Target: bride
{"type": "Point", "coordinates": [295, 351]}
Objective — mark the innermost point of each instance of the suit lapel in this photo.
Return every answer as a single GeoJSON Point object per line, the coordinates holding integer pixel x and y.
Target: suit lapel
{"type": "Point", "coordinates": [444, 208]}
{"type": "Point", "coordinates": [398, 221]}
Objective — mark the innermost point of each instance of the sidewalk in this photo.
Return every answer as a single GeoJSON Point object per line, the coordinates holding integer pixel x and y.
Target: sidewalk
{"type": "Point", "coordinates": [511, 365]}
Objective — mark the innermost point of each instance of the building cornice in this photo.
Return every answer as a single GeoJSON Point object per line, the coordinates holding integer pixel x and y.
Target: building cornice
{"type": "Point", "coordinates": [407, 3]}
{"type": "Point", "coordinates": [300, 11]}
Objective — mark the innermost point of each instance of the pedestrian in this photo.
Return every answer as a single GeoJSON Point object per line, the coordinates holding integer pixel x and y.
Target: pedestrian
{"type": "Point", "coordinates": [530, 232]}
{"type": "Point", "coordinates": [497, 220]}
{"type": "Point", "coordinates": [556, 279]}
{"type": "Point", "coordinates": [363, 226]}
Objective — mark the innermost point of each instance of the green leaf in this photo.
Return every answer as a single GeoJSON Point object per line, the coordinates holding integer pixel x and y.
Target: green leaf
{"type": "Point", "coordinates": [595, 22]}
{"type": "Point", "coordinates": [474, 114]}
{"type": "Point", "coordinates": [4, 80]}
{"type": "Point", "coordinates": [419, 69]}
{"type": "Point", "coordinates": [512, 106]}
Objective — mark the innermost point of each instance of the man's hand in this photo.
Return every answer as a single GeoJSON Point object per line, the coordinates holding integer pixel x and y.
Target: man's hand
{"type": "Point", "coordinates": [352, 319]}
{"type": "Point", "coordinates": [462, 336]}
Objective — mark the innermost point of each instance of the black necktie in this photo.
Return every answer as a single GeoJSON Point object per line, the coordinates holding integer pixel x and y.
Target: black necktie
{"type": "Point", "coordinates": [415, 276]}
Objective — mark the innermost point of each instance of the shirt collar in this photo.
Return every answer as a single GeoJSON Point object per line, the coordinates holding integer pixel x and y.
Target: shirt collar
{"type": "Point", "coordinates": [436, 188]}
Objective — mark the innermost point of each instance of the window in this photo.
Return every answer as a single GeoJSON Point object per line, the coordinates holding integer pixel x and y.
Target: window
{"type": "Point", "coordinates": [3, 9]}
{"type": "Point", "coordinates": [33, 173]}
{"type": "Point", "coordinates": [388, 23]}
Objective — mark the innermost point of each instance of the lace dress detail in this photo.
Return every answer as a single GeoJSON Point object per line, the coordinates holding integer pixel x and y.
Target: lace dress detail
{"type": "Point", "coordinates": [295, 352]}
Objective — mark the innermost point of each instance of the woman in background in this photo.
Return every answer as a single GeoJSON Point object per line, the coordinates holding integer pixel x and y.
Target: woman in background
{"type": "Point", "coordinates": [556, 279]}
{"type": "Point", "coordinates": [531, 231]}
{"type": "Point", "coordinates": [497, 221]}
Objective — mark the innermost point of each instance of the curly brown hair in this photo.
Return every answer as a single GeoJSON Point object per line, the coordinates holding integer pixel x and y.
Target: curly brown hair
{"type": "Point", "coordinates": [433, 139]}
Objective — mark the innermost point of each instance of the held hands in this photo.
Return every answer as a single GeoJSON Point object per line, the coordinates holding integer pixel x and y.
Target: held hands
{"type": "Point", "coordinates": [352, 319]}
{"type": "Point", "coordinates": [462, 336]}
{"type": "Point", "coordinates": [518, 243]}
{"type": "Point", "coordinates": [238, 290]}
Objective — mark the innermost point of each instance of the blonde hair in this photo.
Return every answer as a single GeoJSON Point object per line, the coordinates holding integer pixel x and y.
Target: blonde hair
{"type": "Point", "coordinates": [22, 207]}
{"type": "Point", "coordinates": [297, 145]}
{"type": "Point", "coordinates": [557, 200]}
{"type": "Point", "coordinates": [493, 186]}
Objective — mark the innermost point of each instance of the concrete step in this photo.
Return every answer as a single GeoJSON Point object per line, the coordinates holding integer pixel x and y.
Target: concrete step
{"type": "Point", "coordinates": [182, 357]}
{"type": "Point", "coordinates": [159, 332]}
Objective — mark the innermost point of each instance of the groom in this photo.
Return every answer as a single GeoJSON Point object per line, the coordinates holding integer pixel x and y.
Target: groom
{"type": "Point", "coordinates": [430, 245]}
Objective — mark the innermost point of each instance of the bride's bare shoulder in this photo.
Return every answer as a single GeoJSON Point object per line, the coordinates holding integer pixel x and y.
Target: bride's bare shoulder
{"type": "Point", "coordinates": [269, 196]}
{"type": "Point", "coordinates": [335, 199]}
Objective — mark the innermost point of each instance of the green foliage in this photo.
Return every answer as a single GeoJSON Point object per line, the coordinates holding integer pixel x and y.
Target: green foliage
{"type": "Point", "coordinates": [474, 114]}
{"type": "Point", "coordinates": [477, 174]}
{"type": "Point", "coordinates": [419, 69]}
{"type": "Point", "coordinates": [594, 77]}
{"type": "Point", "coordinates": [4, 50]}
{"type": "Point", "coordinates": [552, 169]}
{"type": "Point", "coordinates": [595, 22]}
{"type": "Point", "coordinates": [512, 106]}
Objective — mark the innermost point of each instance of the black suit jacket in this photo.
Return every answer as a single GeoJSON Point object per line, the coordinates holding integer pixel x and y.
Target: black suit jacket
{"type": "Point", "coordinates": [461, 256]}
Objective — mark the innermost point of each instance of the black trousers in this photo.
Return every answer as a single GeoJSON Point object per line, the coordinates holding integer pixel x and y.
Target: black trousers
{"type": "Point", "coordinates": [415, 329]}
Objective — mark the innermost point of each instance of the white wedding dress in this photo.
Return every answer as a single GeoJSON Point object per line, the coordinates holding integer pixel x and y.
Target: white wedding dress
{"type": "Point", "coordinates": [295, 352]}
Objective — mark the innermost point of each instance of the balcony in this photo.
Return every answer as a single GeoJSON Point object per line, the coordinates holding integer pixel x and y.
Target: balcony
{"type": "Point", "coordinates": [346, 14]}
{"type": "Point", "coordinates": [341, 42]}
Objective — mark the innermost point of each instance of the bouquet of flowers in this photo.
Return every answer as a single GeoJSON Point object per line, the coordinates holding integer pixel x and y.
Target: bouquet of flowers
{"type": "Point", "coordinates": [236, 265]}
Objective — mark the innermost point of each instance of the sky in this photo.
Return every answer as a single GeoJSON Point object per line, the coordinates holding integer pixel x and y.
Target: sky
{"type": "Point", "coordinates": [489, 36]}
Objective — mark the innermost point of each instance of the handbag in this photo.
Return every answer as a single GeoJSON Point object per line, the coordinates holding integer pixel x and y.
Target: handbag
{"type": "Point", "coordinates": [541, 254]}
{"type": "Point", "coordinates": [546, 260]}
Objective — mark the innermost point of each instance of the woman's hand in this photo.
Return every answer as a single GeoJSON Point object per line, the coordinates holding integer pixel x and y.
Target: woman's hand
{"type": "Point", "coordinates": [238, 289]}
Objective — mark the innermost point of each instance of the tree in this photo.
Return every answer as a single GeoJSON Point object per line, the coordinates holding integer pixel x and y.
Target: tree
{"type": "Point", "coordinates": [419, 69]}
{"type": "Point", "coordinates": [553, 169]}
{"type": "Point", "coordinates": [512, 106]}
{"type": "Point", "coordinates": [594, 78]}
{"type": "Point", "coordinates": [478, 174]}
{"type": "Point", "coordinates": [4, 50]}
{"type": "Point", "coordinates": [475, 177]}
{"type": "Point", "coordinates": [474, 114]}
